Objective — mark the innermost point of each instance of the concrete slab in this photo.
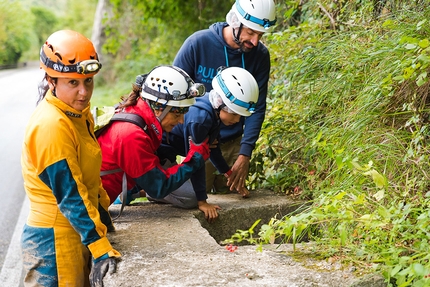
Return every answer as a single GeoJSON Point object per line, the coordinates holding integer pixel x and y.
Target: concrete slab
{"type": "Point", "coordinates": [166, 246]}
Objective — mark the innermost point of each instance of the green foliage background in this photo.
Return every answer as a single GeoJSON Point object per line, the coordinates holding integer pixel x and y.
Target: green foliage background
{"type": "Point", "coordinates": [347, 124]}
{"type": "Point", "coordinates": [26, 24]}
{"type": "Point", "coordinates": [347, 132]}
{"type": "Point", "coordinates": [14, 36]}
{"type": "Point", "coordinates": [144, 34]}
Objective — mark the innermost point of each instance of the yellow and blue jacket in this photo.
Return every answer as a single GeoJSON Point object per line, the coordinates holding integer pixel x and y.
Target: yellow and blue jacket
{"type": "Point", "coordinates": [61, 162]}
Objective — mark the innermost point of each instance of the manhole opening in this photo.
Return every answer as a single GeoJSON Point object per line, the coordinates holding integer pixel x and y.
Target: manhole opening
{"type": "Point", "coordinates": [231, 220]}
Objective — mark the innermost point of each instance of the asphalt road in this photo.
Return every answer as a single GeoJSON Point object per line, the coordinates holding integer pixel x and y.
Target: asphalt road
{"type": "Point", "coordinates": [18, 99]}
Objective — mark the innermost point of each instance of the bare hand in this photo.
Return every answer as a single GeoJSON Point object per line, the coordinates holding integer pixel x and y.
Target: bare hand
{"type": "Point", "coordinates": [210, 210]}
{"type": "Point", "coordinates": [239, 173]}
{"type": "Point", "coordinates": [243, 191]}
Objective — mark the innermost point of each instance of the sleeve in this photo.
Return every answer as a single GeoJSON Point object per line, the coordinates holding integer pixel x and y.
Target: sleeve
{"type": "Point", "coordinates": [62, 174]}
{"type": "Point", "coordinates": [254, 122]}
{"type": "Point", "coordinates": [136, 156]}
{"type": "Point", "coordinates": [158, 182]}
{"type": "Point", "coordinates": [198, 133]}
{"type": "Point", "coordinates": [198, 180]}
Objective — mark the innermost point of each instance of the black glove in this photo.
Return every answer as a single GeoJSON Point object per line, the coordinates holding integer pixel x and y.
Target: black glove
{"type": "Point", "coordinates": [99, 270]}
{"type": "Point", "coordinates": [106, 218]}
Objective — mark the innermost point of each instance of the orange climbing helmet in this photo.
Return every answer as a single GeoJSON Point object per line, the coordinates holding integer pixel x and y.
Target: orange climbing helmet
{"type": "Point", "coordinates": [69, 54]}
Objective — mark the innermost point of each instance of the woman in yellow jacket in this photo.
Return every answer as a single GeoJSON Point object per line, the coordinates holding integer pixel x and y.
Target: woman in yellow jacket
{"type": "Point", "coordinates": [61, 161]}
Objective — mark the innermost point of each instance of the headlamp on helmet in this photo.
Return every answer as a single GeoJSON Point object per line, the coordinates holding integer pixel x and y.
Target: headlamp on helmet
{"type": "Point", "coordinates": [88, 67]}
{"type": "Point", "coordinates": [83, 68]}
{"type": "Point", "coordinates": [67, 53]}
{"type": "Point", "coordinates": [170, 85]}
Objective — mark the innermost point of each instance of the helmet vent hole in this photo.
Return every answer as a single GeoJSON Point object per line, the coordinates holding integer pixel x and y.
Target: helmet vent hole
{"type": "Point", "coordinates": [58, 55]}
{"type": "Point", "coordinates": [170, 84]}
{"type": "Point", "coordinates": [72, 61]}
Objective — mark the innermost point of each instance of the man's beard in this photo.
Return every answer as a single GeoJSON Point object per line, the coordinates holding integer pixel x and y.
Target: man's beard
{"type": "Point", "coordinates": [245, 49]}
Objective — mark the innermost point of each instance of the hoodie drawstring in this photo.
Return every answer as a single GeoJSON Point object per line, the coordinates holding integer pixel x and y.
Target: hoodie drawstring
{"type": "Point", "coordinates": [226, 58]}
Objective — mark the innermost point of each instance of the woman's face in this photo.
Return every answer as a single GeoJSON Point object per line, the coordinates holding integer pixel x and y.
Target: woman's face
{"type": "Point", "coordinates": [76, 93]}
{"type": "Point", "coordinates": [170, 120]}
{"type": "Point", "coordinates": [229, 119]}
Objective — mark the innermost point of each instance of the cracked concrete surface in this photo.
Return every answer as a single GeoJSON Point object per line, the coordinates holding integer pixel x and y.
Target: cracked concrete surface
{"type": "Point", "coordinates": [162, 245]}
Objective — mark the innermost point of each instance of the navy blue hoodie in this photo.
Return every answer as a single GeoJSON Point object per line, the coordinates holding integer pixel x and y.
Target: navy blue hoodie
{"type": "Point", "coordinates": [200, 122]}
{"type": "Point", "coordinates": [206, 50]}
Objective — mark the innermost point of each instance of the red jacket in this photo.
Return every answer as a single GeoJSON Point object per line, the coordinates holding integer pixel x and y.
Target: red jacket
{"type": "Point", "coordinates": [127, 147]}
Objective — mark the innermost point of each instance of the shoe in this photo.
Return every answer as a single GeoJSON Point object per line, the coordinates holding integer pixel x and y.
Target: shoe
{"type": "Point", "coordinates": [153, 200]}
{"type": "Point", "coordinates": [118, 200]}
{"type": "Point", "coordinates": [220, 190]}
{"type": "Point", "coordinates": [132, 194]}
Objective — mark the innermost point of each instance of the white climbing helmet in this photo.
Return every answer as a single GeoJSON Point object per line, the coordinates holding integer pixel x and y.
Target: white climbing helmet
{"type": "Point", "coordinates": [238, 90]}
{"type": "Point", "coordinates": [258, 15]}
{"type": "Point", "coordinates": [170, 86]}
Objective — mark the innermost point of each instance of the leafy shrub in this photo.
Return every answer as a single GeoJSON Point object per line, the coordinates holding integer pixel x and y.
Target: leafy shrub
{"type": "Point", "coordinates": [347, 129]}
{"type": "Point", "coordinates": [15, 30]}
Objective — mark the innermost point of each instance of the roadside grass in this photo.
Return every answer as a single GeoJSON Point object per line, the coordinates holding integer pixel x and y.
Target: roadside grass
{"type": "Point", "coordinates": [347, 129]}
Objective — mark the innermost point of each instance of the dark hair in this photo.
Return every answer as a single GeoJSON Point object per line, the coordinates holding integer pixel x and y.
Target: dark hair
{"type": "Point", "coordinates": [131, 98]}
{"type": "Point", "coordinates": [43, 88]}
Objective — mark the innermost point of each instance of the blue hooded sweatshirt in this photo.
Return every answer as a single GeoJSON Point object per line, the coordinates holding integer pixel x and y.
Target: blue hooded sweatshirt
{"type": "Point", "coordinates": [200, 122]}
{"type": "Point", "coordinates": [200, 56]}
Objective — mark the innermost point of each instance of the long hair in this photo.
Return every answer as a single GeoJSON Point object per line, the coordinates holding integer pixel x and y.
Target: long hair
{"type": "Point", "coordinates": [131, 98]}
{"type": "Point", "coordinates": [43, 88]}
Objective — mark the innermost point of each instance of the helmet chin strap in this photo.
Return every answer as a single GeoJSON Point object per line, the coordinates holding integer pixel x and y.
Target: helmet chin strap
{"type": "Point", "coordinates": [236, 37]}
{"type": "Point", "coordinates": [164, 113]}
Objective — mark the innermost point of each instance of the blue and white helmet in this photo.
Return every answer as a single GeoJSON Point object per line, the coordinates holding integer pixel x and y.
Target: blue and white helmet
{"type": "Point", "coordinates": [258, 15]}
{"type": "Point", "coordinates": [238, 90]}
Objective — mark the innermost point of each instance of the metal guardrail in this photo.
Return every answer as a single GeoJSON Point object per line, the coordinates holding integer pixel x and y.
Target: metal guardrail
{"type": "Point", "coordinates": [13, 66]}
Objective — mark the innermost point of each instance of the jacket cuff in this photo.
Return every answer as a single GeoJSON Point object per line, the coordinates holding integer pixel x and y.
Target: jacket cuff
{"type": "Point", "coordinates": [246, 149]}
{"type": "Point", "coordinates": [101, 247]}
{"type": "Point", "coordinates": [227, 173]}
{"type": "Point", "coordinates": [201, 195]}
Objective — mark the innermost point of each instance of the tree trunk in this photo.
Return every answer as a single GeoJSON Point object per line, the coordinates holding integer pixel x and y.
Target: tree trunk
{"type": "Point", "coordinates": [103, 10]}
